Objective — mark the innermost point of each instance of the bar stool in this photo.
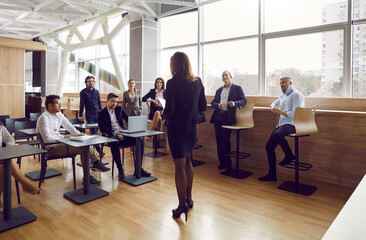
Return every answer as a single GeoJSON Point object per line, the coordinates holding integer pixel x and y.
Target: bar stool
{"type": "Point", "coordinates": [305, 126]}
{"type": "Point", "coordinates": [244, 120]}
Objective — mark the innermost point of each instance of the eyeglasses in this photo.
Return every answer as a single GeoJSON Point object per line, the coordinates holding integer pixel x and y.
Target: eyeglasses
{"type": "Point", "coordinates": [58, 103]}
{"type": "Point", "coordinates": [91, 81]}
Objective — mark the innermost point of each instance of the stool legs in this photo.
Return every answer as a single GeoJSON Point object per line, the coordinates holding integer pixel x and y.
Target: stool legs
{"type": "Point", "coordinates": [297, 187]}
{"type": "Point", "coordinates": [237, 173]}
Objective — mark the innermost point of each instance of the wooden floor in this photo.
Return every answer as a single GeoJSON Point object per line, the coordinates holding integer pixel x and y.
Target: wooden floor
{"type": "Point", "coordinates": [225, 208]}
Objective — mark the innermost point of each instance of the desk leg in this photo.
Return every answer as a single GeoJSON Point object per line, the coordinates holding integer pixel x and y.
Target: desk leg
{"type": "Point", "coordinates": [86, 170]}
{"type": "Point", "coordinates": [11, 218]}
{"type": "Point", "coordinates": [87, 193]}
{"type": "Point", "coordinates": [7, 190]}
{"type": "Point", "coordinates": [138, 157]}
{"type": "Point", "coordinates": [138, 180]}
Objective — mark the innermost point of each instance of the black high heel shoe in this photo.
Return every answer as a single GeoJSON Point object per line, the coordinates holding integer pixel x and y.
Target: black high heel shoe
{"type": "Point", "coordinates": [189, 202]}
{"type": "Point", "coordinates": [178, 211]}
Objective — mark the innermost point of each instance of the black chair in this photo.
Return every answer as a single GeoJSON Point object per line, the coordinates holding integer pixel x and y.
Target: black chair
{"type": "Point", "coordinates": [45, 158]}
{"type": "Point", "coordinates": [123, 153]}
{"type": "Point", "coordinates": [2, 118]}
{"type": "Point", "coordinates": [75, 121]}
{"type": "Point", "coordinates": [34, 116]}
{"type": "Point", "coordinates": [10, 123]}
{"type": "Point", "coordinates": [20, 137]}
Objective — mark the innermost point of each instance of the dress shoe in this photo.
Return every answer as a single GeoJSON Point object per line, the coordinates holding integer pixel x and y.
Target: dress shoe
{"type": "Point", "coordinates": [221, 166]}
{"type": "Point", "coordinates": [32, 192]}
{"type": "Point", "coordinates": [121, 174]}
{"type": "Point", "coordinates": [286, 160]}
{"type": "Point", "coordinates": [144, 173]}
{"type": "Point", "coordinates": [268, 178]}
{"type": "Point", "coordinates": [93, 181]}
{"type": "Point", "coordinates": [98, 166]}
{"type": "Point", "coordinates": [181, 209]}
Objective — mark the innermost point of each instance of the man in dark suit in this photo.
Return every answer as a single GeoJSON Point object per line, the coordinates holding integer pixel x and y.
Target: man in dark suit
{"type": "Point", "coordinates": [110, 120]}
{"type": "Point", "coordinates": [227, 99]}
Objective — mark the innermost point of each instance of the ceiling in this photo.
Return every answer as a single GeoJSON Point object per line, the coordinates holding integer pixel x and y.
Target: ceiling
{"type": "Point", "coordinates": [27, 19]}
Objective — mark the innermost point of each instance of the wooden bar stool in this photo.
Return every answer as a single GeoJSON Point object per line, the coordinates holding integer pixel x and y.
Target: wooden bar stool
{"type": "Point", "coordinates": [244, 120]}
{"type": "Point", "coordinates": [305, 126]}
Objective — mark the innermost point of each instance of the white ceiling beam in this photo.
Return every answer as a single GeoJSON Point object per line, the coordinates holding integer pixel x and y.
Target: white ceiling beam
{"type": "Point", "coordinates": [22, 29]}
{"type": "Point", "coordinates": [67, 12]}
{"type": "Point", "coordinates": [25, 2]}
{"type": "Point", "coordinates": [14, 36]}
{"type": "Point", "coordinates": [109, 2]}
{"type": "Point", "coordinates": [43, 4]}
{"type": "Point", "coordinates": [13, 8]}
{"type": "Point", "coordinates": [149, 9]}
{"type": "Point", "coordinates": [74, 5]}
{"type": "Point", "coordinates": [21, 33]}
{"type": "Point", "coordinates": [86, 44]}
{"type": "Point", "coordinates": [23, 15]}
{"type": "Point", "coordinates": [89, 4]}
{"type": "Point", "coordinates": [53, 18]}
{"type": "Point", "coordinates": [59, 42]}
{"type": "Point", "coordinates": [6, 18]}
{"type": "Point", "coordinates": [79, 35]}
{"type": "Point", "coordinates": [44, 22]}
{"type": "Point", "coordinates": [94, 29]}
{"type": "Point", "coordinates": [117, 29]}
{"type": "Point", "coordinates": [21, 6]}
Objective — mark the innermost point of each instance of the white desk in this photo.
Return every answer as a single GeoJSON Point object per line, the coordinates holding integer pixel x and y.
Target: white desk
{"type": "Point", "coordinates": [351, 220]}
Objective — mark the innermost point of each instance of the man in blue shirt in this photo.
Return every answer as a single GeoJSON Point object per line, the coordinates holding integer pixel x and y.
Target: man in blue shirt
{"type": "Point", "coordinates": [90, 98]}
{"type": "Point", "coordinates": [285, 107]}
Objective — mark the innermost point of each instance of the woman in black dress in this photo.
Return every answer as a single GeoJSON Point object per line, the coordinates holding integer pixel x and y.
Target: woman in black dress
{"type": "Point", "coordinates": [185, 100]}
{"type": "Point", "coordinates": [156, 96]}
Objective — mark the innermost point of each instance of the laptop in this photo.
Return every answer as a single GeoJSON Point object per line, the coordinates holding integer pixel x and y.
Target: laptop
{"type": "Point", "coordinates": [136, 124]}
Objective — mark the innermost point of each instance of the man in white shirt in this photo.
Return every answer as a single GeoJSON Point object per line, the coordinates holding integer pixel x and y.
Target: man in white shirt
{"type": "Point", "coordinates": [285, 107]}
{"type": "Point", "coordinates": [48, 125]}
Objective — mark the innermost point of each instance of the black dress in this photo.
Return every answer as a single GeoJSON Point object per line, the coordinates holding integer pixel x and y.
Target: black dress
{"type": "Point", "coordinates": [184, 103]}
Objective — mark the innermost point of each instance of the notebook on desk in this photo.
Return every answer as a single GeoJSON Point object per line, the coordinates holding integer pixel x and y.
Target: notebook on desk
{"type": "Point", "coordinates": [136, 124]}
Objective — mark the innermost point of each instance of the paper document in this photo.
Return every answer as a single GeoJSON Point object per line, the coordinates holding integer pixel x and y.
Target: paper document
{"type": "Point", "coordinates": [162, 102]}
{"type": "Point", "coordinates": [82, 138]}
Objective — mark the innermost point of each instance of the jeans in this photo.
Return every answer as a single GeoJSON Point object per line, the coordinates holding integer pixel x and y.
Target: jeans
{"type": "Point", "coordinates": [278, 137]}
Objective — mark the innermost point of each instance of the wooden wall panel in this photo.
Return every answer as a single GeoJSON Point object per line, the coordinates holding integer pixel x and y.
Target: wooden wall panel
{"type": "Point", "coordinates": [12, 82]}
{"type": "Point", "coordinates": [12, 65]}
{"type": "Point", "coordinates": [12, 100]}
{"type": "Point", "coordinates": [337, 152]}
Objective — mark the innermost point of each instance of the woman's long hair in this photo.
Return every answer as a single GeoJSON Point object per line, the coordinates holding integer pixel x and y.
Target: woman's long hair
{"type": "Point", "coordinates": [181, 66]}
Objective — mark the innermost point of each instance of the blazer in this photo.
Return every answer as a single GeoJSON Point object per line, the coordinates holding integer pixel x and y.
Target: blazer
{"type": "Point", "coordinates": [185, 101]}
{"type": "Point", "coordinates": [134, 106]}
{"type": "Point", "coordinates": [236, 95]}
{"type": "Point", "coordinates": [104, 120]}
{"type": "Point", "coordinates": [153, 108]}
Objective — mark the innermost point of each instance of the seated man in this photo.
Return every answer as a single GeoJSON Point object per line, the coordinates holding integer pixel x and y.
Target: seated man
{"type": "Point", "coordinates": [285, 107]}
{"type": "Point", "coordinates": [110, 121]}
{"type": "Point", "coordinates": [48, 124]}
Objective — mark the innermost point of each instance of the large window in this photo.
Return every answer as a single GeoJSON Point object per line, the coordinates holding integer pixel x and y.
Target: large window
{"type": "Point", "coordinates": [179, 29]}
{"type": "Point", "coordinates": [259, 41]}
{"type": "Point", "coordinates": [291, 14]}
{"type": "Point", "coordinates": [240, 58]}
{"type": "Point", "coordinates": [220, 19]}
{"type": "Point", "coordinates": [314, 62]}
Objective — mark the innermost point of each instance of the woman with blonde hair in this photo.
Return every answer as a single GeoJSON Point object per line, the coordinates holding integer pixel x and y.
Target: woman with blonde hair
{"type": "Point", "coordinates": [185, 100]}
